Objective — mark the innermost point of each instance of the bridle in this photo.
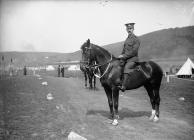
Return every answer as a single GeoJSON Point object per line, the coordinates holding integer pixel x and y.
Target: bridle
{"type": "Point", "coordinates": [97, 66]}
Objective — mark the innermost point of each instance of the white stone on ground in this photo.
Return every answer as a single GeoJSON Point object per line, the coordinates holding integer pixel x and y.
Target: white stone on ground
{"type": "Point", "coordinates": [44, 83]}
{"type": "Point", "coordinates": [74, 136]}
{"type": "Point", "coordinates": [49, 96]}
{"type": "Point", "coordinates": [181, 98]}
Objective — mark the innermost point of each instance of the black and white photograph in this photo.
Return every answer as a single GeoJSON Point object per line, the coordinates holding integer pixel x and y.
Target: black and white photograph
{"type": "Point", "coordinates": [96, 69]}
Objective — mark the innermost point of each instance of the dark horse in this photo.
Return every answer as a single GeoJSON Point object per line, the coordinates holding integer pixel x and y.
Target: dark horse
{"type": "Point", "coordinates": [88, 74]}
{"type": "Point", "coordinates": [147, 74]}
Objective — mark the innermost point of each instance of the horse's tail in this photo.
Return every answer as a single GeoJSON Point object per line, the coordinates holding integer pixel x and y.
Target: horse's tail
{"type": "Point", "coordinates": [157, 69]}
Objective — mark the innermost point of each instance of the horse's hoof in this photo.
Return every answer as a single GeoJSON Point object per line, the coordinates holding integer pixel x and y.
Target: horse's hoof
{"type": "Point", "coordinates": [156, 119]}
{"type": "Point", "coordinates": [115, 122]}
{"type": "Point", "coordinates": [152, 117]}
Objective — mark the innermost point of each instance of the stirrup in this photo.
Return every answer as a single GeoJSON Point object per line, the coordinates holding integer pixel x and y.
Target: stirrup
{"type": "Point", "coordinates": [122, 88]}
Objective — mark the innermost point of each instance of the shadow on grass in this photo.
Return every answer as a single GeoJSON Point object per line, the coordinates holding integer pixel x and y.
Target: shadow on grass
{"type": "Point", "coordinates": [92, 89]}
{"type": "Point", "coordinates": [123, 113]}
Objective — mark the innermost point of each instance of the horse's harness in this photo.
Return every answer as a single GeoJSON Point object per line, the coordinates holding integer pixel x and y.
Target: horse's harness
{"type": "Point", "coordinates": [96, 66]}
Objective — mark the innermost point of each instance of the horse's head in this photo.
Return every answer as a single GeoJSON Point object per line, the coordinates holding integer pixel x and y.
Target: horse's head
{"type": "Point", "coordinates": [87, 52]}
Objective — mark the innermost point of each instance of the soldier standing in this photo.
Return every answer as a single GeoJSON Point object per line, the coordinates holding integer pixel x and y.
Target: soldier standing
{"type": "Point", "coordinates": [129, 54]}
{"type": "Point", "coordinates": [59, 70]}
{"type": "Point", "coordinates": [62, 71]}
{"type": "Point", "coordinates": [25, 70]}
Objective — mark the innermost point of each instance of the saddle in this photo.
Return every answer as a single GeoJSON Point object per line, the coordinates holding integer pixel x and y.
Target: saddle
{"type": "Point", "coordinates": [143, 67]}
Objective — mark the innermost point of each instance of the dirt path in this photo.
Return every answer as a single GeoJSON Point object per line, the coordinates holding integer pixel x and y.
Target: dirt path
{"type": "Point", "coordinates": [27, 114]}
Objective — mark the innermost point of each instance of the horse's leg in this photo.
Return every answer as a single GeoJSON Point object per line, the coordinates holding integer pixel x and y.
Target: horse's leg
{"type": "Point", "coordinates": [85, 75]}
{"type": "Point", "coordinates": [149, 89]}
{"type": "Point", "coordinates": [115, 94]}
{"type": "Point", "coordinates": [157, 104]}
{"type": "Point", "coordinates": [110, 101]}
{"type": "Point", "coordinates": [90, 81]}
{"type": "Point", "coordinates": [94, 82]}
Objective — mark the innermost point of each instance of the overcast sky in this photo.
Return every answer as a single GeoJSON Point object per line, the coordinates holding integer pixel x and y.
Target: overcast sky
{"type": "Point", "coordinates": [63, 26]}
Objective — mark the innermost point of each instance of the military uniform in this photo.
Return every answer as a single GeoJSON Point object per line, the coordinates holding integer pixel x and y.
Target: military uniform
{"type": "Point", "coordinates": [59, 70]}
{"type": "Point", "coordinates": [25, 70]}
{"type": "Point", "coordinates": [62, 71]}
{"type": "Point", "coordinates": [130, 52]}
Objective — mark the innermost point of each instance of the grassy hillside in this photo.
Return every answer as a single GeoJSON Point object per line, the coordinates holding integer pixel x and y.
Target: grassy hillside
{"type": "Point", "coordinates": [169, 43]}
{"type": "Point", "coordinates": [165, 46]}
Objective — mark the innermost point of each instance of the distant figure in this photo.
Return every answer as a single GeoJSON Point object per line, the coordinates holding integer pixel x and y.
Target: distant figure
{"type": "Point", "coordinates": [62, 71]}
{"type": "Point", "coordinates": [59, 70]}
{"type": "Point", "coordinates": [25, 70]}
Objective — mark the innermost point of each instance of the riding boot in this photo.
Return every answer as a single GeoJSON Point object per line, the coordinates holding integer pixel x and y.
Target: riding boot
{"type": "Point", "coordinates": [123, 87]}
{"type": "Point", "coordinates": [126, 80]}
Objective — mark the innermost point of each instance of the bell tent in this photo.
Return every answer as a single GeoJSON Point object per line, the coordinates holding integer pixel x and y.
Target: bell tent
{"type": "Point", "coordinates": [187, 69]}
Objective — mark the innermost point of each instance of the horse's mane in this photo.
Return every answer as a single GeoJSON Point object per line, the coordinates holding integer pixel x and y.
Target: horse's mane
{"type": "Point", "coordinates": [102, 50]}
{"type": "Point", "coordinates": [98, 48]}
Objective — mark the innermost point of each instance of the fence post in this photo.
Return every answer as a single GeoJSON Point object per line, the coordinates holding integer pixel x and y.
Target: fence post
{"type": "Point", "coordinates": [168, 78]}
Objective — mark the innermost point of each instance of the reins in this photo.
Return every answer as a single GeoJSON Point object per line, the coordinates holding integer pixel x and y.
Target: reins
{"type": "Point", "coordinates": [100, 76]}
{"type": "Point", "coordinates": [96, 66]}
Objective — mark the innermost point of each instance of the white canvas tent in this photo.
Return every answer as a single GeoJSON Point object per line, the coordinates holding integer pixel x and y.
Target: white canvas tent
{"type": "Point", "coordinates": [74, 68]}
{"type": "Point", "coordinates": [186, 69]}
{"type": "Point", "coordinates": [50, 68]}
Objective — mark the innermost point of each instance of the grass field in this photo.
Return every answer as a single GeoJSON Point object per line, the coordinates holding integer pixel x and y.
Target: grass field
{"type": "Point", "coordinates": [26, 114]}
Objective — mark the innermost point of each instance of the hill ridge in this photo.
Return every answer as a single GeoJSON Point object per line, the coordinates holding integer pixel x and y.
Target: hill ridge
{"type": "Point", "coordinates": [166, 44]}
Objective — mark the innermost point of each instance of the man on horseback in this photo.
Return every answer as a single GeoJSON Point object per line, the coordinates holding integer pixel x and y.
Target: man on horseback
{"type": "Point", "coordinates": [129, 54]}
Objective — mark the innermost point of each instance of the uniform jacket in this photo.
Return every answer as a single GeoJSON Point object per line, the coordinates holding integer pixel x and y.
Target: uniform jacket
{"type": "Point", "coordinates": [130, 49]}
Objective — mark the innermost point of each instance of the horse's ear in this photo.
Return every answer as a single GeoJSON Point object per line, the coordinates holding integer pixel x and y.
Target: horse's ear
{"type": "Point", "coordinates": [88, 42]}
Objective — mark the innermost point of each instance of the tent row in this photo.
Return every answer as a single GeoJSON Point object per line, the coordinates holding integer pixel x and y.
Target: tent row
{"type": "Point", "coordinates": [70, 68]}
